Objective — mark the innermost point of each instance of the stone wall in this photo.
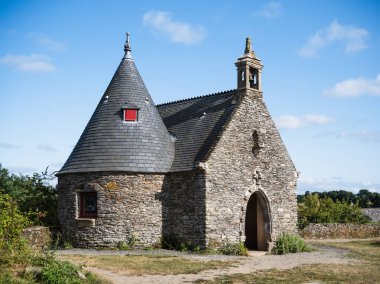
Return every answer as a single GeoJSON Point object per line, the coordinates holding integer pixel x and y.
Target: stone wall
{"type": "Point", "coordinates": [127, 204]}
{"type": "Point", "coordinates": [183, 202]}
{"type": "Point", "coordinates": [243, 163]}
{"type": "Point", "coordinates": [38, 237]}
{"type": "Point", "coordinates": [335, 231]}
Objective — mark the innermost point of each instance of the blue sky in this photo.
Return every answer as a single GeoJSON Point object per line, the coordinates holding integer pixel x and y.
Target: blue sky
{"type": "Point", "coordinates": [321, 77]}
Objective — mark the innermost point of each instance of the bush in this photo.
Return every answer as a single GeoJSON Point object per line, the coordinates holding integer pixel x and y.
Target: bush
{"type": "Point", "coordinates": [314, 209]}
{"type": "Point", "coordinates": [33, 194]}
{"type": "Point", "coordinates": [234, 249]}
{"type": "Point", "coordinates": [287, 243]}
{"type": "Point", "coordinates": [174, 243]}
{"type": "Point", "coordinates": [56, 271]}
{"type": "Point", "coordinates": [121, 245]}
{"type": "Point", "coordinates": [13, 247]}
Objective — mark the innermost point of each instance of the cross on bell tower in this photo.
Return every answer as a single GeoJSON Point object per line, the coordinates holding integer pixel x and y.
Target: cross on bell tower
{"type": "Point", "coordinates": [249, 69]}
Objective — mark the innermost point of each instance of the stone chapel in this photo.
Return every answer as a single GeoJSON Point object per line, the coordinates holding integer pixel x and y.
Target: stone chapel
{"type": "Point", "coordinates": [207, 169]}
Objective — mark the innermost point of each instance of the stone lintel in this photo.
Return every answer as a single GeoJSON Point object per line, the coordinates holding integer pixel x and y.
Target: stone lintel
{"type": "Point", "coordinates": [85, 222]}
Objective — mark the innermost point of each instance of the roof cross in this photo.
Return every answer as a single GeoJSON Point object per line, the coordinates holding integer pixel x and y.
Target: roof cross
{"type": "Point", "coordinates": [127, 48]}
{"type": "Point", "coordinates": [127, 45]}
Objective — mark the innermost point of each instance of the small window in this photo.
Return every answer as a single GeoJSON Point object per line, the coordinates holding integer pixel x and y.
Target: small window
{"type": "Point", "coordinates": [130, 114]}
{"type": "Point", "coordinates": [88, 205]}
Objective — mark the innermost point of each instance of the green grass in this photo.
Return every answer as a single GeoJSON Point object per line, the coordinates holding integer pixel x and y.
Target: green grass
{"type": "Point", "coordinates": [46, 269]}
{"type": "Point", "coordinates": [145, 265]}
{"type": "Point", "coordinates": [365, 271]}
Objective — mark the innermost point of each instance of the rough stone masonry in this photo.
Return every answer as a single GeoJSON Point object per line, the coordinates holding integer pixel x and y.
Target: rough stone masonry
{"type": "Point", "coordinates": [206, 170]}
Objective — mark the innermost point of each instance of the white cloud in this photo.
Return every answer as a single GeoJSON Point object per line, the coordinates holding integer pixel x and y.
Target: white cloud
{"type": "Point", "coordinates": [31, 63]}
{"type": "Point", "coordinates": [289, 121]}
{"type": "Point", "coordinates": [355, 87]}
{"type": "Point", "coordinates": [47, 42]}
{"type": "Point", "coordinates": [318, 119]}
{"type": "Point", "coordinates": [353, 38]}
{"type": "Point", "coordinates": [334, 183]}
{"type": "Point", "coordinates": [179, 32]}
{"type": "Point", "coordinates": [364, 136]}
{"type": "Point", "coordinates": [8, 146]}
{"type": "Point", "coordinates": [46, 148]}
{"type": "Point", "coordinates": [294, 122]}
{"type": "Point", "coordinates": [21, 170]}
{"type": "Point", "coordinates": [271, 10]}
{"type": "Point", "coordinates": [372, 136]}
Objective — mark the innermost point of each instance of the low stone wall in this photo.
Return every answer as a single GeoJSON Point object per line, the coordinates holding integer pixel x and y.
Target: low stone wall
{"type": "Point", "coordinates": [336, 231]}
{"type": "Point", "coordinates": [38, 237]}
{"type": "Point", "coordinates": [373, 213]}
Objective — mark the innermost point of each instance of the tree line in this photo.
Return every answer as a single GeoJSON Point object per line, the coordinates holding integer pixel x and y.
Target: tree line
{"type": "Point", "coordinates": [364, 198]}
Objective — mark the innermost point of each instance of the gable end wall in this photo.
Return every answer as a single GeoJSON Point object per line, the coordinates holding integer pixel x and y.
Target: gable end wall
{"type": "Point", "coordinates": [230, 174]}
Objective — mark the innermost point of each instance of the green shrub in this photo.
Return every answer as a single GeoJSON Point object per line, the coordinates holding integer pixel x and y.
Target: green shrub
{"type": "Point", "coordinates": [174, 243]}
{"type": "Point", "coordinates": [314, 209]}
{"type": "Point", "coordinates": [121, 245]}
{"type": "Point", "coordinates": [13, 247]}
{"type": "Point", "coordinates": [133, 241]}
{"type": "Point", "coordinates": [287, 243]}
{"type": "Point", "coordinates": [56, 271]}
{"type": "Point", "coordinates": [6, 277]}
{"type": "Point", "coordinates": [33, 194]}
{"type": "Point", "coordinates": [233, 249]}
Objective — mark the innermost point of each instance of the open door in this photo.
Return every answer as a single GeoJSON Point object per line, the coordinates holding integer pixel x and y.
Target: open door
{"type": "Point", "coordinates": [255, 223]}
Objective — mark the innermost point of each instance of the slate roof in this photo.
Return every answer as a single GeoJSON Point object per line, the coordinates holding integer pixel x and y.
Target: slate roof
{"type": "Point", "coordinates": [196, 125]}
{"type": "Point", "coordinates": [171, 137]}
{"type": "Point", "coordinates": [110, 144]}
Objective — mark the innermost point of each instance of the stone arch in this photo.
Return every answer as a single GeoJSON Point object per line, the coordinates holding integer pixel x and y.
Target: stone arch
{"type": "Point", "coordinates": [256, 220]}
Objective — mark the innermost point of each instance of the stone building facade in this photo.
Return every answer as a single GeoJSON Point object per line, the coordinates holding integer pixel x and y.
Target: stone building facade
{"type": "Point", "coordinates": [206, 169]}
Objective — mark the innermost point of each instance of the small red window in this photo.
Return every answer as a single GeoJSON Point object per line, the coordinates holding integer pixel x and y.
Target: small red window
{"type": "Point", "coordinates": [88, 205]}
{"type": "Point", "coordinates": [130, 114]}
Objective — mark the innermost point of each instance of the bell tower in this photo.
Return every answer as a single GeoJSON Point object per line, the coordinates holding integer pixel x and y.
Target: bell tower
{"type": "Point", "coordinates": [249, 69]}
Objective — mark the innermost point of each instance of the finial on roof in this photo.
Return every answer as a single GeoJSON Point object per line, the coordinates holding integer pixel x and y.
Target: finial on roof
{"type": "Point", "coordinates": [127, 48]}
{"type": "Point", "coordinates": [247, 45]}
{"type": "Point", "coordinates": [127, 45]}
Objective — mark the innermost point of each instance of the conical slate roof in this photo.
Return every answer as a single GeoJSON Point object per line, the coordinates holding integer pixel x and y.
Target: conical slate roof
{"type": "Point", "coordinates": [108, 143]}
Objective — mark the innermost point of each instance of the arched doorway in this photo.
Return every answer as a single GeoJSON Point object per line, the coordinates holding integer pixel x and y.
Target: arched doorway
{"type": "Point", "coordinates": [257, 223]}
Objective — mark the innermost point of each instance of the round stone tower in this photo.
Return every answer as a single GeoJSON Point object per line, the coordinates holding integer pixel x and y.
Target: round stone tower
{"type": "Point", "coordinates": [109, 186]}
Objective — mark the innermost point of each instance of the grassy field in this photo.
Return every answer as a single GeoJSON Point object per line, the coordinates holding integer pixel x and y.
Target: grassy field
{"type": "Point", "coordinates": [367, 270]}
{"type": "Point", "coordinates": [145, 265]}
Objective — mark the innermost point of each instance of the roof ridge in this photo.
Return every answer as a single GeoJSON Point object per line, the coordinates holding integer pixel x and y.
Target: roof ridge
{"type": "Point", "coordinates": [194, 98]}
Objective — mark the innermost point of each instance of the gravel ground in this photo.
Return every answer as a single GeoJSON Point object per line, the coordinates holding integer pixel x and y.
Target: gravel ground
{"type": "Point", "coordinates": [161, 252]}
{"type": "Point", "coordinates": [245, 265]}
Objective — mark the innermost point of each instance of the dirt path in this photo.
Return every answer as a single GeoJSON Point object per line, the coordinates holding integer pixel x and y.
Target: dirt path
{"type": "Point", "coordinates": [245, 265]}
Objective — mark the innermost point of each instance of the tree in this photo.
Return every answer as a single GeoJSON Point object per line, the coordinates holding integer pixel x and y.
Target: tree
{"type": "Point", "coordinates": [33, 194]}
{"type": "Point", "coordinates": [12, 223]}
{"type": "Point", "coordinates": [314, 209]}
{"type": "Point", "coordinates": [365, 198]}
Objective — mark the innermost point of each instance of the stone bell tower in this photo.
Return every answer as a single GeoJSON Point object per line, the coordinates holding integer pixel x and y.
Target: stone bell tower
{"type": "Point", "coordinates": [249, 69]}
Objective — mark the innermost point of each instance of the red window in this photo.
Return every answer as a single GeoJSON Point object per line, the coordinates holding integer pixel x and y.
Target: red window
{"type": "Point", "coordinates": [88, 205]}
{"type": "Point", "coordinates": [130, 114]}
